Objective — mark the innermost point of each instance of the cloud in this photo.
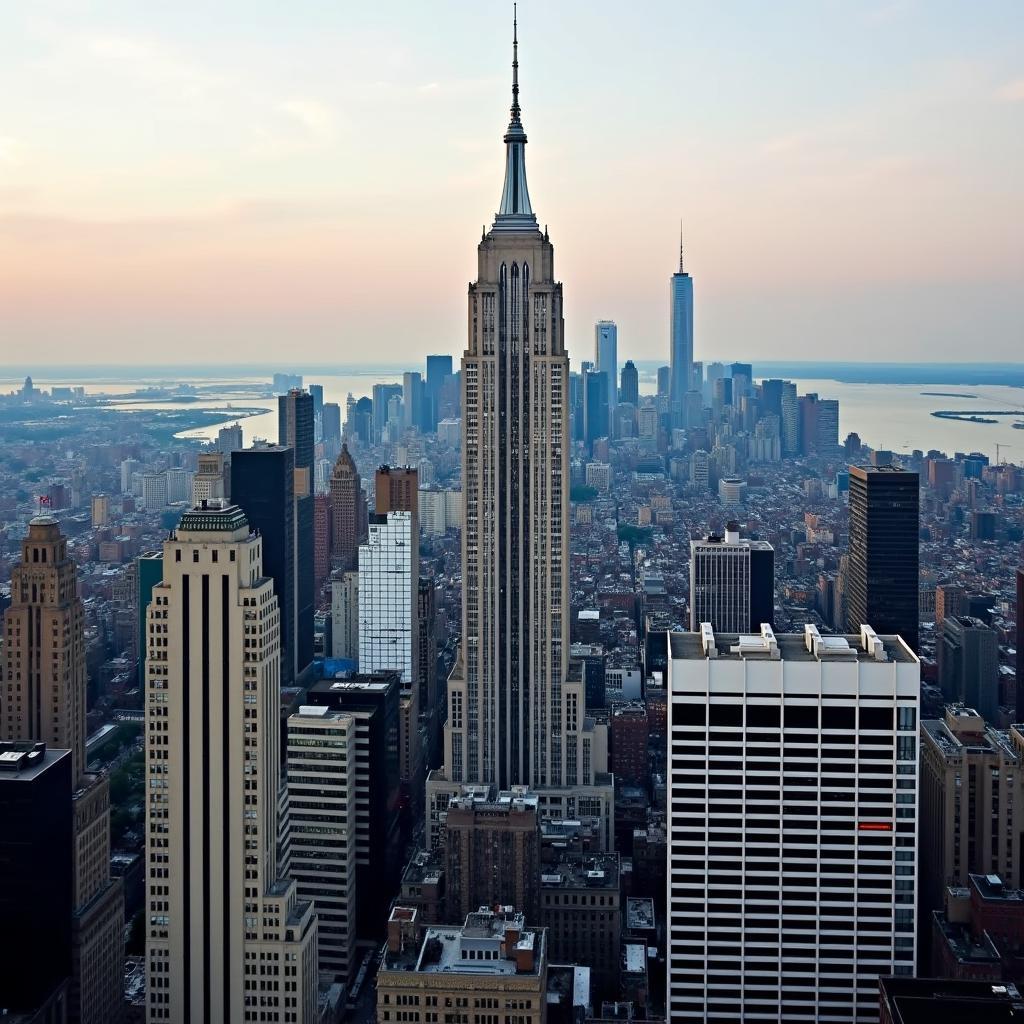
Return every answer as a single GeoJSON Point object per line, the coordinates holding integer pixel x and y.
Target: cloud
{"type": "Point", "coordinates": [141, 60]}
{"type": "Point", "coordinates": [11, 150]}
{"type": "Point", "coordinates": [315, 117]}
{"type": "Point", "coordinates": [1011, 92]}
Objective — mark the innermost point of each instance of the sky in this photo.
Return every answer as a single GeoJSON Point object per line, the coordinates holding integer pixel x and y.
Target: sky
{"type": "Point", "coordinates": [252, 180]}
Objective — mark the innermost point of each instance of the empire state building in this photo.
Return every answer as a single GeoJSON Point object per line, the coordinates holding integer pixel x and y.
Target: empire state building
{"type": "Point", "coordinates": [516, 705]}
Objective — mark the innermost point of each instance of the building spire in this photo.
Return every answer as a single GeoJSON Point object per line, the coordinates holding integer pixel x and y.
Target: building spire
{"type": "Point", "coordinates": [681, 270]}
{"type": "Point", "coordinates": [515, 212]}
{"type": "Point", "coordinates": [515, 65]}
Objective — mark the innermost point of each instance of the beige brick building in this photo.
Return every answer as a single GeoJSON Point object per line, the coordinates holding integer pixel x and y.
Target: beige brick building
{"type": "Point", "coordinates": [492, 968]}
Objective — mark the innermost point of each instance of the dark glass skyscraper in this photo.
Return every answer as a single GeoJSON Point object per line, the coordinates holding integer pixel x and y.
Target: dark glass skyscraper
{"type": "Point", "coordinates": [439, 369]}
{"type": "Point", "coordinates": [296, 418]}
{"type": "Point", "coordinates": [36, 874]}
{"type": "Point", "coordinates": [882, 588]}
{"type": "Point", "coordinates": [629, 389]}
{"type": "Point", "coordinates": [595, 406]}
{"type": "Point", "coordinates": [263, 485]}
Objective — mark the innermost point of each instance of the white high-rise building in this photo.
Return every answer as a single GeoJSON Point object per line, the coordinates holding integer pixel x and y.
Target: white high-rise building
{"type": "Point", "coordinates": [179, 485]}
{"type": "Point", "coordinates": [322, 798]}
{"type": "Point", "coordinates": [229, 439]}
{"type": "Point", "coordinates": [606, 354]}
{"type": "Point", "coordinates": [792, 826]}
{"type": "Point", "coordinates": [345, 616]}
{"type": "Point", "coordinates": [226, 938]}
{"type": "Point", "coordinates": [129, 467]}
{"type": "Point", "coordinates": [387, 602]}
{"type": "Point", "coordinates": [154, 491]}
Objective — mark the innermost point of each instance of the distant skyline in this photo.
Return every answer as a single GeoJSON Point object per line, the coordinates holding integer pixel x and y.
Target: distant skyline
{"type": "Point", "coordinates": [255, 182]}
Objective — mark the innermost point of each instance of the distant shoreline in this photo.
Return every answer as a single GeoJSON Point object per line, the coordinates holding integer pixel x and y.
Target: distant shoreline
{"type": "Point", "coordinates": [915, 373]}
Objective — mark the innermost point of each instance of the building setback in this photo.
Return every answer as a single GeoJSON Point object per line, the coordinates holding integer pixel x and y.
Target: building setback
{"type": "Point", "coordinates": [791, 825]}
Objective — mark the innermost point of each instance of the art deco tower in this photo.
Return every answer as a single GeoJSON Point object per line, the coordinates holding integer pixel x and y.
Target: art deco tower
{"type": "Point", "coordinates": [516, 709]}
{"type": "Point", "coordinates": [42, 699]}
{"type": "Point", "coordinates": [45, 647]}
{"type": "Point", "coordinates": [221, 918]}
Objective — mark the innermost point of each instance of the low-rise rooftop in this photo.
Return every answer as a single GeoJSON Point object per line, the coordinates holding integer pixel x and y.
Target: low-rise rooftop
{"type": "Point", "coordinates": [582, 871]}
{"type": "Point", "coordinates": [489, 943]}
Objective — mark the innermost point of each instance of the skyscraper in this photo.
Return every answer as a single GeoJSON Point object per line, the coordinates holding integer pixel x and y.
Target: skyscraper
{"type": "Point", "coordinates": [790, 419]}
{"type": "Point", "coordinates": [606, 354]}
{"type": "Point", "coordinates": [732, 582]}
{"type": "Point", "coordinates": [296, 430]}
{"type": "Point", "coordinates": [322, 537]}
{"type": "Point", "coordinates": [382, 395]}
{"type": "Point", "coordinates": [345, 615]}
{"type": "Point", "coordinates": [596, 418]}
{"type": "Point", "coordinates": [681, 296]}
{"type": "Point", "coordinates": [387, 600]}
{"type": "Point", "coordinates": [43, 701]}
{"type": "Point", "coordinates": [629, 387]}
{"type": "Point", "coordinates": [263, 486]}
{"type": "Point", "coordinates": [517, 711]}
{"type": "Point", "coordinates": [317, 393]}
{"type": "Point", "coordinates": [972, 802]}
{"type": "Point", "coordinates": [968, 655]}
{"type": "Point", "coordinates": [792, 824]}
{"type": "Point", "coordinates": [412, 401]}
{"type": "Point", "coordinates": [1020, 639]}
{"type": "Point", "coordinates": [322, 769]}
{"type": "Point", "coordinates": [221, 919]}
{"type": "Point", "coordinates": [44, 647]}
{"type": "Point", "coordinates": [771, 397]}
{"type": "Point", "coordinates": [882, 586]}
{"type": "Point", "coordinates": [348, 508]}
{"type": "Point", "coordinates": [373, 701]}
{"type": "Point", "coordinates": [439, 370]}
{"type": "Point", "coordinates": [208, 479]}
{"type": "Point", "coordinates": [36, 842]}
{"type": "Point", "coordinates": [332, 423]}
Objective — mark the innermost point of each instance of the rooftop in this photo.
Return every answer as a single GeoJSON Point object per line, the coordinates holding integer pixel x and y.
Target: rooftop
{"type": "Point", "coordinates": [490, 943]}
{"type": "Point", "coordinates": [941, 1001]}
{"type": "Point", "coordinates": [639, 913]}
{"type": "Point", "coordinates": [991, 889]}
{"type": "Point", "coordinates": [966, 948]}
{"type": "Point", "coordinates": [810, 645]}
{"type": "Point", "coordinates": [23, 762]}
{"type": "Point", "coordinates": [213, 516]}
{"type": "Point", "coordinates": [583, 871]}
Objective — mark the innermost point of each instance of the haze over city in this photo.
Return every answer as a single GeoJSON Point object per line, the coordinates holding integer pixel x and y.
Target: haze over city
{"type": "Point", "coordinates": [189, 184]}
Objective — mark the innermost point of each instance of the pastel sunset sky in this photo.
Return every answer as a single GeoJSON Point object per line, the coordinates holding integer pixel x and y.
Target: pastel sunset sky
{"type": "Point", "coordinates": [252, 180]}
